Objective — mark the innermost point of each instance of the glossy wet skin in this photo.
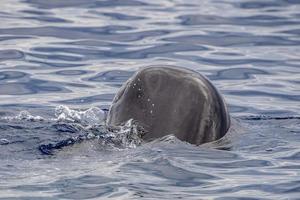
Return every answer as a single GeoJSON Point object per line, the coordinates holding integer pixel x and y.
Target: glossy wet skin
{"type": "Point", "coordinates": [170, 100]}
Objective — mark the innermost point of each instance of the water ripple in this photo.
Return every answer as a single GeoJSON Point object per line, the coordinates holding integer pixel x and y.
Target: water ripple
{"type": "Point", "coordinates": [11, 55]}
{"type": "Point", "coordinates": [228, 39]}
{"type": "Point", "coordinates": [114, 77]}
{"type": "Point", "coordinates": [74, 33]}
{"type": "Point", "coordinates": [77, 53]}
{"type": "Point", "coordinates": [82, 3]}
{"type": "Point", "coordinates": [256, 20]}
{"type": "Point", "coordinates": [237, 74]}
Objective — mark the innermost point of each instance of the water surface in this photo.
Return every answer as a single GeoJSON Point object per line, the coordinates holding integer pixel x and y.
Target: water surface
{"type": "Point", "coordinates": [61, 62]}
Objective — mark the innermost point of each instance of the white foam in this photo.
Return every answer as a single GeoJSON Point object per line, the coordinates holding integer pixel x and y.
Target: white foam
{"type": "Point", "coordinates": [90, 116]}
{"type": "Point", "coordinates": [25, 115]}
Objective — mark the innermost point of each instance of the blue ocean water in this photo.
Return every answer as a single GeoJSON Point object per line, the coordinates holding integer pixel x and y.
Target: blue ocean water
{"type": "Point", "coordinates": [61, 62]}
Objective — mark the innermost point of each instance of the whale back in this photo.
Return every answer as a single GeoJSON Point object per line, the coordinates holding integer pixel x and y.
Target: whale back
{"type": "Point", "coordinates": [169, 100]}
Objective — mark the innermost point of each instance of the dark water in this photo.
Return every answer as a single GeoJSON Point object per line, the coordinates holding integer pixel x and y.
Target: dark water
{"type": "Point", "coordinates": [61, 63]}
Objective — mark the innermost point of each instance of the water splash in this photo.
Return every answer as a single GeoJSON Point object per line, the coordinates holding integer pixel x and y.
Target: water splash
{"type": "Point", "coordinates": [24, 115]}
{"type": "Point", "coordinates": [128, 135]}
{"type": "Point", "coordinates": [90, 125]}
{"type": "Point", "coordinates": [66, 128]}
{"type": "Point", "coordinates": [117, 138]}
{"type": "Point", "coordinates": [90, 116]}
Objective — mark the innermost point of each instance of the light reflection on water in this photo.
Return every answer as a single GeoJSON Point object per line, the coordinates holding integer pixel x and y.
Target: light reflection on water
{"type": "Point", "coordinates": [78, 53]}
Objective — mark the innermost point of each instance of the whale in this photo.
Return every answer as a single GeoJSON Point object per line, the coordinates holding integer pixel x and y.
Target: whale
{"type": "Point", "coordinates": [171, 100]}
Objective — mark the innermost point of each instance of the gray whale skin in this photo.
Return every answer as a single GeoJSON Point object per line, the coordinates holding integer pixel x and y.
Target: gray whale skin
{"type": "Point", "coordinates": [171, 100]}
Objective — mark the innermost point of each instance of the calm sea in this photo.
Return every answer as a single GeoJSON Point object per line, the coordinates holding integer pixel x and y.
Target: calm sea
{"type": "Point", "coordinates": [62, 61]}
